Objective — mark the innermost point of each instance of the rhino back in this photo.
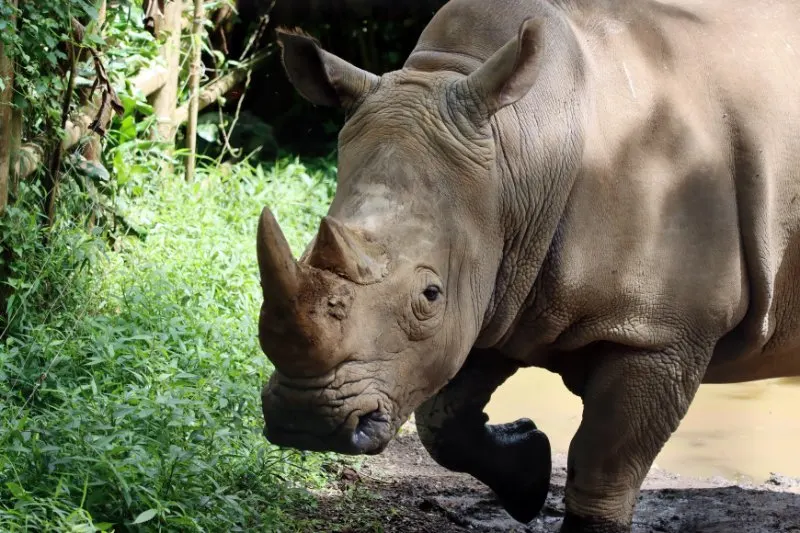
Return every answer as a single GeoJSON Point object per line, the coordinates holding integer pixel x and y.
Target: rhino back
{"type": "Point", "coordinates": [682, 216]}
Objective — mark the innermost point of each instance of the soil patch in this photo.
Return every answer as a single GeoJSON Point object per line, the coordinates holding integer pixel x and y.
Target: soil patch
{"type": "Point", "coordinates": [404, 490]}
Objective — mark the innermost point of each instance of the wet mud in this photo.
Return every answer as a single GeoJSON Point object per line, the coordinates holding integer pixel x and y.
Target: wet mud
{"type": "Point", "coordinates": [404, 490]}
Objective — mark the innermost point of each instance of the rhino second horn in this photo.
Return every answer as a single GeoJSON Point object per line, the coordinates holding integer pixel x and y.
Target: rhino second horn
{"type": "Point", "coordinates": [342, 251]}
{"type": "Point", "coordinates": [279, 271]}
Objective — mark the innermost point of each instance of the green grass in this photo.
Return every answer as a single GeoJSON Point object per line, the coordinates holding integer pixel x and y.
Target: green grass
{"type": "Point", "coordinates": [130, 378]}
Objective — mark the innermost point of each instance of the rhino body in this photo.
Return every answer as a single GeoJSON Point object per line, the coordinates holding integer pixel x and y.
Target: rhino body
{"type": "Point", "coordinates": [605, 189]}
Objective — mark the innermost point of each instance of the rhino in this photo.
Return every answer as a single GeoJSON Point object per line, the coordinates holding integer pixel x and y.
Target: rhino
{"type": "Point", "coordinates": [604, 189]}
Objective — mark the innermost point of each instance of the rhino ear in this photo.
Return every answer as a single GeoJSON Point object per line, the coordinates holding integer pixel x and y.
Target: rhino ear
{"type": "Point", "coordinates": [319, 76]}
{"type": "Point", "coordinates": [510, 72]}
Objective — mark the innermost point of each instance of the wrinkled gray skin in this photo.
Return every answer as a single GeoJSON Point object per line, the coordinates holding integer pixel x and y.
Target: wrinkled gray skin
{"type": "Point", "coordinates": [605, 189]}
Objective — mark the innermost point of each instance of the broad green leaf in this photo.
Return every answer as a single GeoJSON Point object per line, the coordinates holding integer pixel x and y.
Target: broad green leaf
{"type": "Point", "coordinates": [145, 516]}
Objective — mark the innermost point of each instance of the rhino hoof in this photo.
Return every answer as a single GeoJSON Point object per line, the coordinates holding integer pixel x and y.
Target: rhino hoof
{"type": "Point", "coordinates": [521, 473]}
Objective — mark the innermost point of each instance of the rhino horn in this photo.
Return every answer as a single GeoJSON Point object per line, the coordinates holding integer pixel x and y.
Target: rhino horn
{"type": "Point", "coordinates": [279, 272]}
{"type": "Point", "coordinates": [346, 253]}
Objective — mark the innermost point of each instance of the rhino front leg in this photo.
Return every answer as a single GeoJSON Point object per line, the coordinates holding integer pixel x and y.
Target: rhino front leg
{"type": "Point", "coordinates": [511, 459]}
{"type": "Point", "coordinates": [633, 402]}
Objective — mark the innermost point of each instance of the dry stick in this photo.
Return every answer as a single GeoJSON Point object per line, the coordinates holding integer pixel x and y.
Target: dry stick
{"type": "Point", "coordinates": [220, 86]}
{"type": "Point", "coordinates": [16, 144]}
{"type": "Point", "coordinates": [226, 135]}
{"type": "Point", "coordinates": [194, 88]}
{"type": "Point", "coordinates": [50, 178]}
{"type": "Point", "coordinates": [6, 122]}
{"type": "Point", "coordinates": [262, 27]}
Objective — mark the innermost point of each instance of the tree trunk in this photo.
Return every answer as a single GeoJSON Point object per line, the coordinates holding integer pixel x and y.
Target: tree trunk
{"type": "Point", "coordinates": [6, 114]}
{"type": "Point", "coordinates": [93, 149]}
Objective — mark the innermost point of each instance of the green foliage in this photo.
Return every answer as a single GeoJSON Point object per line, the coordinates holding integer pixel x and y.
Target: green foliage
{"type": "Point", "coordinates": [127, 47]}
{"type": "Point", "coordinates": [38, 48]}
{"type": "Point", "coordinates": [130, 369]}
{"type": "Point", "coordinates": [130, 158]}
{"type": "Point", "coordinates": [129, 381]}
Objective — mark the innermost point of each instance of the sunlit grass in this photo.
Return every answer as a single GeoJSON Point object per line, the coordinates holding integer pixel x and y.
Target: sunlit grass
{"type": "Point", "coordinates": [130, 380]}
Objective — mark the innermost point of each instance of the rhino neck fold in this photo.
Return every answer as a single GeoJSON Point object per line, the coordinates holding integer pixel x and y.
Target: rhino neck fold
{"type": "Point", "coordinates": [548, 122]}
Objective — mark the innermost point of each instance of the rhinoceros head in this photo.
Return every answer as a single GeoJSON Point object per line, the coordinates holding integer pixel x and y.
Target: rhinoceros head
{"type": "Point", "coordinates": [383, 307]}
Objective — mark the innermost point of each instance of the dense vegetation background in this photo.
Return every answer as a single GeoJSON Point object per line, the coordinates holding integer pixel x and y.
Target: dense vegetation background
{"type": "Point", "coordinates": [129, 362]}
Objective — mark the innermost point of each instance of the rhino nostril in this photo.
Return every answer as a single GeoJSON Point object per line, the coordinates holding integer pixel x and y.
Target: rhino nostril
{"type": "Point", "coordinates": [364, 421]}
{"type": "Point", "coordinates": [370, 431]}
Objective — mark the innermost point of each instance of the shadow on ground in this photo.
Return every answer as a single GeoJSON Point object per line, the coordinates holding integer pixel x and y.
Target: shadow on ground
{"type": "Point", "coordinates": [403, 490]}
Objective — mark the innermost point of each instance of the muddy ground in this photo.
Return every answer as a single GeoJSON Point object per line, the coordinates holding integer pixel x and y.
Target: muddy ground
{"type": "Point", "coordinates": [403, 490]}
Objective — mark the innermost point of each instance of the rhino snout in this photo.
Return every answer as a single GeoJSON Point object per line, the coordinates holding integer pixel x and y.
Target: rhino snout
{"type": "Point", "coordinates": [297, 421]}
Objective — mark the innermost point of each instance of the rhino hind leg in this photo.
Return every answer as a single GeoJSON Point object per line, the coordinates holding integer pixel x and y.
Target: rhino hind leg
{"type": "Point", "coordinates": [513, 460]}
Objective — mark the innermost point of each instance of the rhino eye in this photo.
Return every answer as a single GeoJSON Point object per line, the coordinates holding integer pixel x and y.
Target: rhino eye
{"type": "Point", "coordinates": [431, 293]}
{"type": "Point", "coordinates": [427, 298]}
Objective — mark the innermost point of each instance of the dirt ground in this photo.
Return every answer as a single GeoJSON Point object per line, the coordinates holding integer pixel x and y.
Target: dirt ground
{"type": "Point", "coordinates": [403, 490]}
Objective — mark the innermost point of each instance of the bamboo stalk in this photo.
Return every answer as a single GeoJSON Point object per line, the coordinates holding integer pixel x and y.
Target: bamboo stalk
{"type": "Point", "coordinates": [194, 88]}
{"type": "Point", "coordinates": [6, 112]}
{"type": "Point", "coordinates": [165, 100]}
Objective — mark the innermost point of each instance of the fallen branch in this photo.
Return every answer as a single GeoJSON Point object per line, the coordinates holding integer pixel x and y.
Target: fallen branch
{"type": "Point", "coordinates": [150, 80]}
{"type": "Point", "coordinates": [221, 86]}
{"type": "Point", "coordinates": [27, 159]}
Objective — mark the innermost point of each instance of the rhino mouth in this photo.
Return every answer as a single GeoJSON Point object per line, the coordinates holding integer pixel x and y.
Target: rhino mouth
{"type": "Point", "coordinates": [365, 428]}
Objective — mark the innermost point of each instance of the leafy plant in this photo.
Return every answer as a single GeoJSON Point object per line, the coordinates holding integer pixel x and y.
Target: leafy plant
{"type": "Point", "coordinates": [129, 364]}
{"type": "Point", "coordinates": [129, 381]}
{"type": "Point", "coordinates": [39, 48]}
